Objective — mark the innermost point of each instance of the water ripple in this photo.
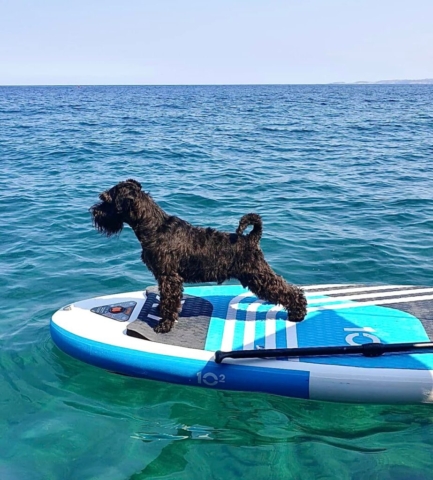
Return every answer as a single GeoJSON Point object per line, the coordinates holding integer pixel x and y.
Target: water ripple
{"type": "Point", "coordinates": [342, 178]}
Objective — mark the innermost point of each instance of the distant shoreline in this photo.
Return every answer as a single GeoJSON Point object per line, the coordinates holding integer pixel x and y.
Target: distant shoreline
{"type": "Point", "coordinates": [425, 81]}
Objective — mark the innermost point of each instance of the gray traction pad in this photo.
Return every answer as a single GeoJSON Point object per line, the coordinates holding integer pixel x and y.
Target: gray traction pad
{"type": "Point", "coordinates": [189, 331]}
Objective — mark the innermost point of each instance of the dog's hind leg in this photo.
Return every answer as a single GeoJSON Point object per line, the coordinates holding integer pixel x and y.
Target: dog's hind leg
{"type": "Point", "coordinates": [170, 294]}
{"type": "Point", "coordinates": [269, 286]}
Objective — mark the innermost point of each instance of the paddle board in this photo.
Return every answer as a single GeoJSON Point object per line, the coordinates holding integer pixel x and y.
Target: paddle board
{"type": "Point", "coordinates": [115, 332]}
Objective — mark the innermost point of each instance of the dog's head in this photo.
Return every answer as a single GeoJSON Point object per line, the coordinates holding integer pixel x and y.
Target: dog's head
{"type": "Point", "coordinates": [117, 206]}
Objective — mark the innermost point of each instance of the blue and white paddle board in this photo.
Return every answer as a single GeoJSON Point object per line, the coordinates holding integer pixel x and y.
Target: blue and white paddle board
{"type": "Point", "coordinates": [115, 332]}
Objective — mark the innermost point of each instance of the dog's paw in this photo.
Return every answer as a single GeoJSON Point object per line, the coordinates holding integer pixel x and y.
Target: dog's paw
{"type": "Point", "coordinates": [163, 327]}
{"type": "Point", "coordinates": [297, 315]}
{"type": "Point", "coordinates": [292, 318]}
{"type": "Point", "coordinates": [298, 309]}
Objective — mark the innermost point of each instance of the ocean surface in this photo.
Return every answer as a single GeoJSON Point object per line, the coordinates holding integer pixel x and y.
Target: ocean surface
{"type": "Point", "coordinates": [343, 178]}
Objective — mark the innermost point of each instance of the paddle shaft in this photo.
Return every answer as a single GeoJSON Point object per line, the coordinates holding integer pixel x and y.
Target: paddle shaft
{"type": "Point", "coordinates": [367, 349]}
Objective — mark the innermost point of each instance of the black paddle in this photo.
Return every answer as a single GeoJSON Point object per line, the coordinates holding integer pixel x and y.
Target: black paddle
{"type": "Point", "coordinates": [367, 349]}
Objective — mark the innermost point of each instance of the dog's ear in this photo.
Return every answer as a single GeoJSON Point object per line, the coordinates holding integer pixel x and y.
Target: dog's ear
{"type": "Point", "coordinates": [105, 197]}
{"type": "Point", "coordinates": [131, 180]}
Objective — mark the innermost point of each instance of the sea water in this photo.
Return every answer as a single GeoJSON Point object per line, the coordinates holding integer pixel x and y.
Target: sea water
{"type": "Point", "coordinates": [342, 176]}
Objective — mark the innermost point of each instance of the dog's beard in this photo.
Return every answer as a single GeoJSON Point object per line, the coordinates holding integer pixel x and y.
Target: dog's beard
{"type": "Point", "coordinates": [105, 221]}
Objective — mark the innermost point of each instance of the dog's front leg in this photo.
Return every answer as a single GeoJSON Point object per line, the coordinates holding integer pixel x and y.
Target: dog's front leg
{"type": "Point", "coordinates": [170, 294]}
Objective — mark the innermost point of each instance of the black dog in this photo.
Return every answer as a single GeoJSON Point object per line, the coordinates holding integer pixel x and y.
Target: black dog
{"type": "Point", "coordinates": [177, 252]}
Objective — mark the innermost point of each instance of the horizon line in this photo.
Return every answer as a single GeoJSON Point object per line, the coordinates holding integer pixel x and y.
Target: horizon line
{"type": "Point", "coordinates": [427, 81]}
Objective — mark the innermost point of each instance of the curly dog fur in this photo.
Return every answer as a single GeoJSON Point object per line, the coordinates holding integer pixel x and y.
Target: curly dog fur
{"type": "Point", "coordinates": [177, 252]}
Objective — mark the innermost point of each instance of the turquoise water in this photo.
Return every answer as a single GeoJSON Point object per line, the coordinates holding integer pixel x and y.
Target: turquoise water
{"type": "Point", "coordinates": [342, 177]}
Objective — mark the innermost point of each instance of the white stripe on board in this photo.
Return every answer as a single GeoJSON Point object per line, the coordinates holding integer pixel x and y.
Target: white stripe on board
{"type": "Point", "coordinates": [270, 333]}
{"type": "Point", "coordinates": [290, 330]}
{"type": "Point", "coordinates": [356, 289]}
{"type": "Point", "coordinates": [271, 314]}
{"type": "Point", "coordinates": [249, 335]}
{"type": "Point", "coordinates": [372, 302]}
{"type": "Point", "coordinates": [250, 325]}
{"type": "Point", "coordinates": [291, 335]}
{"type": "Point", "coordinates": [292, 338]}
{"type": "Point", "coordinates": [271, 326]}
{"type": "Point", "coordinates": [229, 326]}
{"type": "Point", "coordinates": [329, 285]}
{"type": "Point", "coordinates": [399, 293]}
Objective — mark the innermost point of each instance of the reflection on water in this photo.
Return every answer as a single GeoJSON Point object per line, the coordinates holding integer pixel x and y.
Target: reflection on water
{"type": "Point", "coordinates": [342, 178]}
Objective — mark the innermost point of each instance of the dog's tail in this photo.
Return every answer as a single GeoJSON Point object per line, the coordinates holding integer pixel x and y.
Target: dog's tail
{"type": "Point", "coordinates": [251, 219]}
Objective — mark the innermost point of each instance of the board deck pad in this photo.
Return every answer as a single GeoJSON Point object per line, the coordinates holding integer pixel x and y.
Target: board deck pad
{"type": "Point", "coordinates": [190, 330]}
{"type": "Point", "coordinates": [229, 317]}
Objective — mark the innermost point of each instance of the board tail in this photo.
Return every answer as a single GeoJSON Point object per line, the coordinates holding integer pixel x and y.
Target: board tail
{"type": "Point", "coordinates": [251, 219]}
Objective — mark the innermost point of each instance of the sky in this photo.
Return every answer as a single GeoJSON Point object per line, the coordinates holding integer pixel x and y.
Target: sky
{"type": "Point", "coordinates": [178, 42]}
